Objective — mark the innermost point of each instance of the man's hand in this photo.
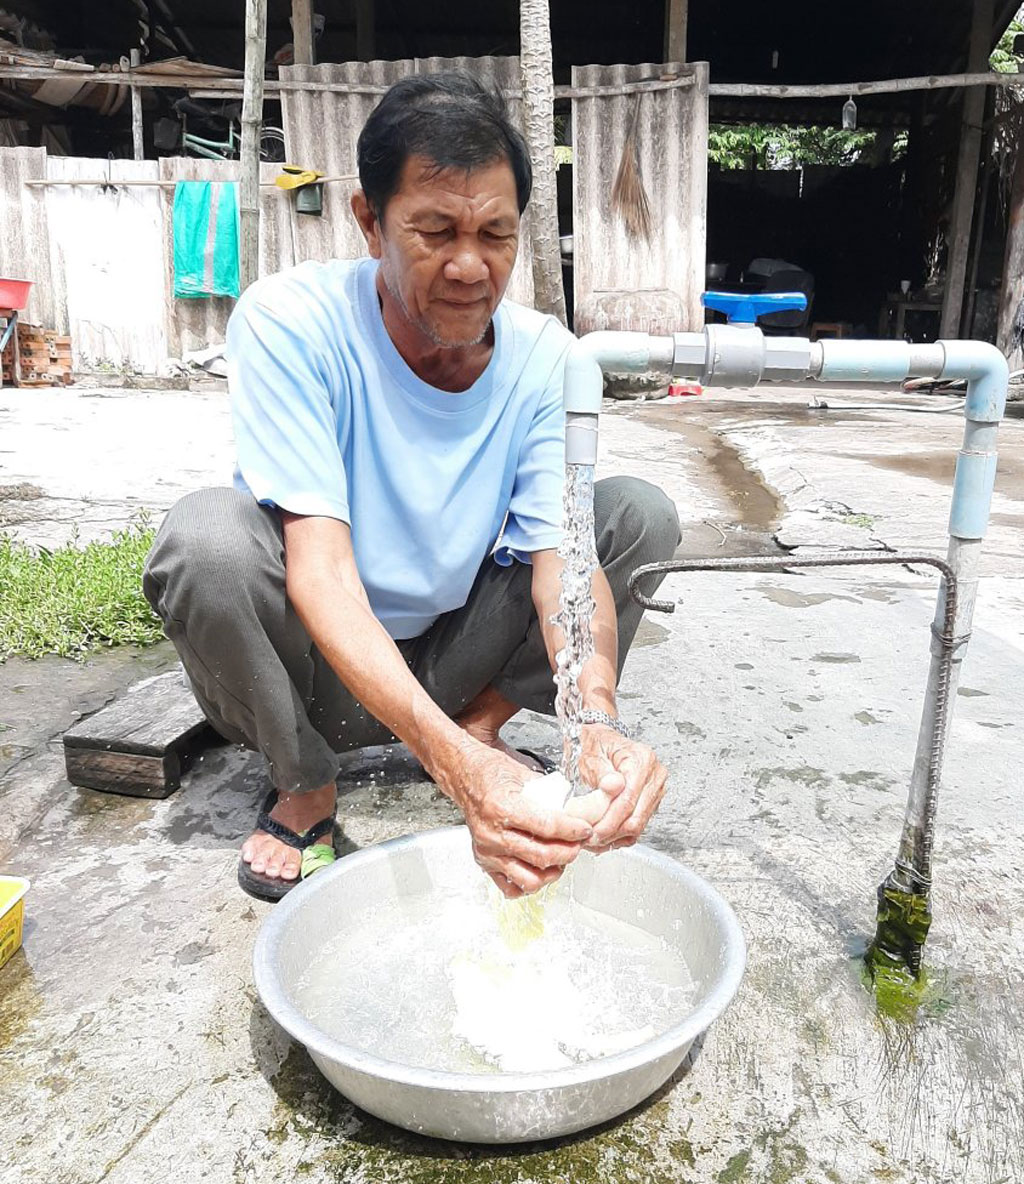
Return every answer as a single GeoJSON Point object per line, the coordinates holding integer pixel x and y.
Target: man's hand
{"type": "Point", "coordinates": [520, 845]}
{"type": "Point", "coordinates": [632, 777]}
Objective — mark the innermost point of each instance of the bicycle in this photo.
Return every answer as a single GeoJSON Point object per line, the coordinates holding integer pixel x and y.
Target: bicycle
{"type": "Point", "coordinates": [271, 138]}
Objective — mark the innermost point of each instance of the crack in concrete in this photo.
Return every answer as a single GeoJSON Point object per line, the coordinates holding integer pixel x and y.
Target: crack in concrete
{"type": "Point", "coordinates": [143, 1131]}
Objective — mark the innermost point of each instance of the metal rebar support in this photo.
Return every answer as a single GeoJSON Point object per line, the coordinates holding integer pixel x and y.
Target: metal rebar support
{"type": "Point", "coordinates": [899, 938]}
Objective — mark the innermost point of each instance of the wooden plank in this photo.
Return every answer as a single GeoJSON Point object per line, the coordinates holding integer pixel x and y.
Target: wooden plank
{"type": "Point", "coordinates": [141, 744]}
{"type": "Point", "coordinates": [138, 149]}
{"type": "Point", "coordinates": [302, 33]}
{"type": "Point", "coordinates": [1012, 291]}
{"type": "Point", "coordinates": [959, 235]}
{"type": "Point", "coordinates": [203, 86]}
{"type": "Point", "coordinates": [124, 773]}
{"type": "Point", "coordinates": [365, 30]}
{"type": "Point", "coordinates": [147, 719]}
{"type": "Point", "coordinates": [676, 18]}
{"type": "Point", "coordinates": [249, 152]}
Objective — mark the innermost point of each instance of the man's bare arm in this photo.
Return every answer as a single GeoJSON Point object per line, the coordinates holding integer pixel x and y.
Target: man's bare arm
{"type": "Point", "coordinates": [512, 839]}
{"type": "Point", "coordinates": [598, 677]}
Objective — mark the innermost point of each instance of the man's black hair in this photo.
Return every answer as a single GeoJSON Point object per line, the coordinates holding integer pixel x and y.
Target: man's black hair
{"type": "Point", "coordinates": [451, 120]}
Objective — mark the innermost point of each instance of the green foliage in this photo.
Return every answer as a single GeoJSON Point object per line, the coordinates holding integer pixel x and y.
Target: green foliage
{"type": "Point", "coordinates": [72, 600]}
{"type": "Point", "coordinates": [783, 146]}
{"type": "Point", "coordinates": [1003, 58]}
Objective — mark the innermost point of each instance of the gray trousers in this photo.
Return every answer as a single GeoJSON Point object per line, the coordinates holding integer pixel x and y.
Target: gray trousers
{"type": "Point", "coordinates": [216, 577]}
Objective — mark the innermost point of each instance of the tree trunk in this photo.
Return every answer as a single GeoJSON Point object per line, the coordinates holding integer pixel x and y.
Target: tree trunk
{"type": "Point", "coordinates": [249, 152]}
{"type": "Point", "coordinates": [538, 104]}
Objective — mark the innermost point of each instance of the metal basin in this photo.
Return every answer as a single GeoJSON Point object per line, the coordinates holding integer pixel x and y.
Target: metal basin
{"type": "Point", "coordinates": [500, 1107]}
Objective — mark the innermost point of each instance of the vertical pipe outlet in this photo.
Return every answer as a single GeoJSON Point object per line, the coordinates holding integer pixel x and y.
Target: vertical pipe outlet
{"type": "Point", "coordinates": [588, 358]}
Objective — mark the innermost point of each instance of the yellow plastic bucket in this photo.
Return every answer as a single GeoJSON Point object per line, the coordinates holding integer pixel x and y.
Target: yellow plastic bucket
{"type": "Point", "coordinates": [12, 914]}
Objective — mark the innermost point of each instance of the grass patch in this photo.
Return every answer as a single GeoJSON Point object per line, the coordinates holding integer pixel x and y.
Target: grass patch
{"type": "Point", "coordinates": [864, 520]}
{"type": "Point", "coordinates": [74, 600]}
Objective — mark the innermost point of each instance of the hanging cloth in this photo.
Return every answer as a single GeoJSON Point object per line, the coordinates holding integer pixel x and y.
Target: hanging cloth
{"type": "Point", "coordinates": [206, 236]}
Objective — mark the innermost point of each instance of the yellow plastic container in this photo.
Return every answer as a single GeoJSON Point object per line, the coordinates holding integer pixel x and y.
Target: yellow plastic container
{"type": "Point", "coordinates": [12, 914]}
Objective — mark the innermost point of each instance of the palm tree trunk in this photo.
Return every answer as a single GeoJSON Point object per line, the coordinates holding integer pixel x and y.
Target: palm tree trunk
{"type": "Point", "coordinates": [538, 102]}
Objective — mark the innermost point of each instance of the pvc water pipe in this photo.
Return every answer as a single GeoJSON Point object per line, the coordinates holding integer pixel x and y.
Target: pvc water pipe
{"type": "Point", "coordinates": [740, 355]}
{"type": "Point", "coordinates": [588, 358]}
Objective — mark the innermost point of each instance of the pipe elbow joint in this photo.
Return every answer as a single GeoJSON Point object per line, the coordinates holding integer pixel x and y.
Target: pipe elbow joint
{"type": "Point", "coordinates": [987, 373]}
{"type": "Point", "coordinates": [623, 352]}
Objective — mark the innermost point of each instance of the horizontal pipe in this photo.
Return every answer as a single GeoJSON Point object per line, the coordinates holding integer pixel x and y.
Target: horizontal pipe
{"type": "Point", "coordinates": [873, 361]}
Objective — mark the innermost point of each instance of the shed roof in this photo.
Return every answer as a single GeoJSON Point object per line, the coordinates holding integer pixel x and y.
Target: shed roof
{"type": "Point", "coordinates": [815, 42]}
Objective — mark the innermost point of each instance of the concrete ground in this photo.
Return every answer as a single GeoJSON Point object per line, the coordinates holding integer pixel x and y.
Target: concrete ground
{"type": "Point", "coordinates": [132, 1045]}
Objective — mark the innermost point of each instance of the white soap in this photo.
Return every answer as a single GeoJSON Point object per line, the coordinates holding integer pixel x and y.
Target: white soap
{"type": "Point", "coordinates": [548, 792]}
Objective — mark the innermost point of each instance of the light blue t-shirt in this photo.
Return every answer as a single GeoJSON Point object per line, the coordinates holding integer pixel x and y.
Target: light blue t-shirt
{"type": "Point", "coordinates": [330, 421]}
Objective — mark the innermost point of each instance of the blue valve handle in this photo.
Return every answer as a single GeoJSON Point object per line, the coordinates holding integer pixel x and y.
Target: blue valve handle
{"type": "Point", "coordinates": [743, 308]}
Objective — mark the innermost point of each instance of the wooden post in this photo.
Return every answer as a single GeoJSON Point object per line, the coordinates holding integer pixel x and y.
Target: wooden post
{"type": "Point", "coordinates": [302, 33]}
{"type": "Point", "coordinates": [987, 167]}
{"type": "Point", "coordinates": [538, 110]}
{"type": "Point", "coordinates": [252, 119]}
{"type": "Point", "coordinates": [138, 145]}
{"type": "Point", "coordinates": [1012, 292]}
{"type": "Point", "coordinates": [959, 235]}
{"type": "Point", "coordinates": [365, 48]}
{"type": "Point", "coordinates": [676, 15]}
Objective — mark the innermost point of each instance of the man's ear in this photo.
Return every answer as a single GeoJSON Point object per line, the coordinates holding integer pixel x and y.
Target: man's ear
{"type": "Point", "coordinates": [368, 223]}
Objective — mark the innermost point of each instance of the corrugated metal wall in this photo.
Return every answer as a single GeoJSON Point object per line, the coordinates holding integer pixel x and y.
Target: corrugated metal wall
{"type": "Point", "coordinates": [321, 129]}
{"type": "Point", "coordinates": [194, 324]}
{"type": "Point", "coordinates": [106, 262]}
{"type": "Point", "coordinates": [24, 229]}
{"type": "Point", "coordinates": [102, 261]}
{"type": "Point", "coordinates": [672, 150]}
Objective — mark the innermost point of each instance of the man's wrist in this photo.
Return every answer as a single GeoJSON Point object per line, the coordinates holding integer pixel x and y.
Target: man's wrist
{"type": "Point", "coordinates": [590, 715]}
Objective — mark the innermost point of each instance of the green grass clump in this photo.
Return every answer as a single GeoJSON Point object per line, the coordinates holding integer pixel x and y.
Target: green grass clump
{"type": "Point", "coordinates": [74, 600]}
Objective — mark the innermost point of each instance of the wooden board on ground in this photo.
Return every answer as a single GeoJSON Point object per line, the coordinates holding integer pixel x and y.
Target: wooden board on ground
{"type": "Point", "coordinates": [141, 744]}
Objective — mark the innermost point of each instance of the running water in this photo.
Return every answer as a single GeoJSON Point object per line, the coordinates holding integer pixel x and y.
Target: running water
{"type": "Point", "coordinates": [431, 980]}
{"type": "Point", "coordinates": [575, 610]}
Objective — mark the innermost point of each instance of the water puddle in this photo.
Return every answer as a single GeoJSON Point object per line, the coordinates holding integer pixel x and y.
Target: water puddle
{"type": "Point", "coordinates": [940, 465]}
{"type": "Point", "coordinates": [788, 598]}
{"type": "Point", "coordinates": [757, 507]}
{"type": "Point", "coordinates": [650, 633]}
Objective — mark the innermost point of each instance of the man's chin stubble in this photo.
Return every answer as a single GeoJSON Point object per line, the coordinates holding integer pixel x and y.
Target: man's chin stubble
{"type": "Point", "coordinates": [443, 342]}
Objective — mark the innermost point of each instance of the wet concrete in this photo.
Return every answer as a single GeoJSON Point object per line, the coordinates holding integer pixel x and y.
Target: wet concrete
{"type": "Point", "coordinates": [132, 1047]}
{"type": "Point", "coordinates": [754, 505]}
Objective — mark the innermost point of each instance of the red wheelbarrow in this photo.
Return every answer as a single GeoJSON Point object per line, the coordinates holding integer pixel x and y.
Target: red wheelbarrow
{"type": "Point", "coordinates": [13, 298]}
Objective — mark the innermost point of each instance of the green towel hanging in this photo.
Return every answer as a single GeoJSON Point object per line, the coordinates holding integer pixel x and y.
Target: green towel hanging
{"type": "Point", "coordinates": [206, 237]}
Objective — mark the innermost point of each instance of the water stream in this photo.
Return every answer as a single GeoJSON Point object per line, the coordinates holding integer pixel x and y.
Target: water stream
{"type": "Point", "coordinates": [575, 610]}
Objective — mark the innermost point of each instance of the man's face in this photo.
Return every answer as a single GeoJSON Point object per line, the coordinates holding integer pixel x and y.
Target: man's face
{"type": "Point", "coordinates": [447, 246]}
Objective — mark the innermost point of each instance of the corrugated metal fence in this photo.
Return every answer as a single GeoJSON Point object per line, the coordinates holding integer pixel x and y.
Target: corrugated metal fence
{"type": "Point", "coordinates": [321, 129]}
{"type": "Point", "coordinates": [623, 282]}
{"type": "Point", "coordinates": [102, 258]}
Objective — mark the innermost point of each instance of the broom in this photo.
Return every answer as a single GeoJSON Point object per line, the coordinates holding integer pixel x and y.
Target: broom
{"type": "Point", "coordinates": [629, 198]}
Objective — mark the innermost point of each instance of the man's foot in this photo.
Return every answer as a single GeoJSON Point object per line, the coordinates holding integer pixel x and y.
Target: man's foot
{"type": "Point", "coordinates": [297, 811]}
{"type": "Point", "coordinates": [529, 759]}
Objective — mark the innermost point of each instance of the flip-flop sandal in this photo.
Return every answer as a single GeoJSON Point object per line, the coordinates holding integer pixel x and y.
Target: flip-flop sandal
{"type": "Point", "coordinates": [547, 765]}
{"type": "Point", "coordinates": [315, 854]}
